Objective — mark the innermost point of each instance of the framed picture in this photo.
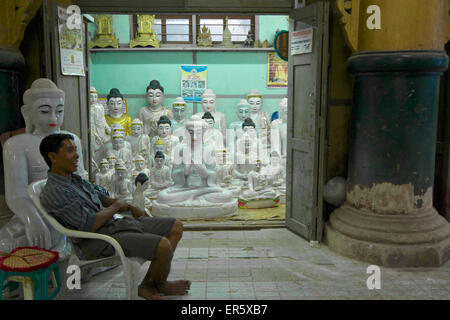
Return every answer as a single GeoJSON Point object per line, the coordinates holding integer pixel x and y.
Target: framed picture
{"type": "Point", "coordinates": [277, 71]}
{"type": "Point", "coordinates": [193, 82]}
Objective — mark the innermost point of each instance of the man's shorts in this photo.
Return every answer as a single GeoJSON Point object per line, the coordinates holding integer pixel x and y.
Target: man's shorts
{"type": "Point", "coordinates": [138, 237]}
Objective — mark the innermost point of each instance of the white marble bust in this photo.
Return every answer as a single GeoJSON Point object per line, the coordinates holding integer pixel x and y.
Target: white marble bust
{"type": "Point", "coordinates": [209, 104]}
{"type": "Point", "coordinates": [43, 112]}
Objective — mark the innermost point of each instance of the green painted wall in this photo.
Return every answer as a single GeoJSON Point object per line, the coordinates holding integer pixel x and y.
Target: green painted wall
{"type": "Point", "coordinates": [268, 26]}
{"type": "Point", "coordinates": [229, 73]}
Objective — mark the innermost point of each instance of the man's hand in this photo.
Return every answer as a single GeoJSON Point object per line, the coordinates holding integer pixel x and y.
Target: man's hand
{"type": "Point", "coordinates": [137, 212]}
{"type": "Point", "coordinates": [121, 205]}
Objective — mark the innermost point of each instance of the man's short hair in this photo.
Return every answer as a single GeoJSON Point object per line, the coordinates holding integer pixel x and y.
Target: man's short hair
{"type": "Point", "coordinates": [52, 143]}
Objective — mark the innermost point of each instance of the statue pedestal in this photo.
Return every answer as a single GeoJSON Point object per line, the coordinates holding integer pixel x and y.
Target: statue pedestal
{"type": "Point", "coordinates": [193, 210]}
{"type": "Point", "coordinates": [258, 203]}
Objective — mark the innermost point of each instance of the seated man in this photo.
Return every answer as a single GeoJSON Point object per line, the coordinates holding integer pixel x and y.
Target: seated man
{"type": "Point", "coordinates": [76, 204]}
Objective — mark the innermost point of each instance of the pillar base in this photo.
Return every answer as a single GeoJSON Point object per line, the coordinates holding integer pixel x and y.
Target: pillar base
{"type": "Point", "coordinates": [418, 239]}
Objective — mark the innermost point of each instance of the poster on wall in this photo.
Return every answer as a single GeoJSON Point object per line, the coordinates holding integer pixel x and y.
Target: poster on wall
{"type": "Point", "coordinates": [70, 45]}
{"type": "Point", "coordinates": [302, 41]}
{"type": "Point", "coordinates": [277, 71]}
{"type": "Point", "coordinates": [193, 82]}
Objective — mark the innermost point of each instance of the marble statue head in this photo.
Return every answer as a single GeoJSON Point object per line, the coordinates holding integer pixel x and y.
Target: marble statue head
{"type": "Point", "coordinates": [209, 119]}
{"type": "Point", "coordinates": [208, 101]}
{"type": "Point", "coordinates": [283, 109]}
{"type": "Point", "coordinates": [179, 107]}
{"type": "Point", "coordinates": [159, 159]}
{"type": "Point", "coordinates": [139, 162]}
{"type": "Point", "coordinates": [141, 179]}
{"type": "Point", "coordinates": [164, 127]}
{"type": "Point", "coordinates": [155, 94]}
{"type": "Point", "coordinates": [115, 103]}
{"type": "Point", "coordinates": [43, 109]}
{"type": "Point", "coordinates": [117, 127]}
{"type": "Point", "coordinates": [248, 125]}
{"type": "Point", "coordinates": [121, 170]}
{"type": "Point", "coordinates": [112, 159]}
{"type": "Point", "coordinates": [254, 98]}
{"type": "Point", "coordinates": [104, 165]}
{"type": "Point", "coordinates": [93, 95]}
{"type": "Point", "coordinates": [158, 145]}
{"type": "Point", "coordinates": [117, 140]}
{"type": "Point", "coordinates": [243, 110]}
{"type": "Point", "coordinates": [137, 127]}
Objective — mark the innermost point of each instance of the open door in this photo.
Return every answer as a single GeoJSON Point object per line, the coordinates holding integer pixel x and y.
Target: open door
{"type": "Point", "coordinates": [76, 87]}
{"type": "Point", "coordinates": [308, 69]}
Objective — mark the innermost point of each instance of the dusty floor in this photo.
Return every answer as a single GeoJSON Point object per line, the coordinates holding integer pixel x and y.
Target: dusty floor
{"type": "Point", "coordinates": [273, 264]}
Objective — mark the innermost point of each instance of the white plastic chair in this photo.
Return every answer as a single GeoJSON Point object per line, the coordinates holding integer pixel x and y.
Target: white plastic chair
{"type": "Point", "coordinates": [129, 264]}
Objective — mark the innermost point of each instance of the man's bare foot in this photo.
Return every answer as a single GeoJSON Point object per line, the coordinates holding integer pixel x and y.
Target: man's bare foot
{"type": "Point", "coordinates": [175, 288]}
{"type": "Point", "coordinates": [149, 292]}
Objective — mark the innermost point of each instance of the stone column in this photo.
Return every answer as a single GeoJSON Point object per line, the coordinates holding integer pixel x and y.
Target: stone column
{"type": "Point", "coordinates": [388, 218]}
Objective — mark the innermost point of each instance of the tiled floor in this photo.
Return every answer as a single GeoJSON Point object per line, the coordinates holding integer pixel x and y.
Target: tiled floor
{"type": "Point", "coordinates": [273, 264]}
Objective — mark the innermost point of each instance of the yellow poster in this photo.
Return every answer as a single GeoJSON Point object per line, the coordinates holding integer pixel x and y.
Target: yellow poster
{"type": "Point", "coordinates": [277, 71]}
{"type": "Point", "coordinates": [193, 82]}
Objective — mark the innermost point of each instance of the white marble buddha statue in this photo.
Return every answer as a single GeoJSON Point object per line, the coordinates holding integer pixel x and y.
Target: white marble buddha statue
{"type": "Point", "coordinates": [103, 176]}
{"type": "Point", "coordinates": [259, 117]}
{"type": "Point", "coordinates": [121, 185]}
{"type": "Point", "coordinates": [247, 150]}
{"type": "Point", "coordinates": [151, 113]}
{"type": "Point", "coordinates": [242, 112]}
{"type": "Point", "coordinates": [179, 109]}
{"type": "Point", "coordinates": [43, 112]}
{"type": "Point", "coordinates": [160, 176]}
{"type": "Point", "coordinates": [112, 159]}
{"type": "Point", "coordinates": [194, 194]}
{"type": "Point", "coordinates": [120, 151]}
{"type": "Point", "coordinates": [258, 185]}
{"type": "Point", "coordinates": [212, 136]}
{"type": "Point", "coordinates": [279, 129]}
{"type": "Point", "coordinates": [139, 142]}
{"type": "Point", "coordinates": [165, 134]}
{"type": "Point", "coordinates": [115, 128]}
{"type": "Point", "coordinates": [209, 104]}
{"type": "Point", "coordinates": [276, 173]}
{"type": "Point", "coordinates": [139, 166]}
{"type": "Point", "coordinates": [141, 183]}
{"type": "Point", "coordinates": [224, 177]}
{"type": "Point", "coordinates": [116, 111]}
{"type": "Point", "coordinates": [158, 145]}
{"type": "Point", "coordinates": [100, 131]}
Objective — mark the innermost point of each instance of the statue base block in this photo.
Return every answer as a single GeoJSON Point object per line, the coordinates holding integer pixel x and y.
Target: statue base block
{"type": "Point", "coordinates": [417, 239]}
{"type": "Point", "coordinates": [194, 212]}
{"type": "Point", "coordinates": [258, 203]}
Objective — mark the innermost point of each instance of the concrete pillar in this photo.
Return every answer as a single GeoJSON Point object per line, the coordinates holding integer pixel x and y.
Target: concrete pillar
{"type": "Point", "coordinates": [389, 218]}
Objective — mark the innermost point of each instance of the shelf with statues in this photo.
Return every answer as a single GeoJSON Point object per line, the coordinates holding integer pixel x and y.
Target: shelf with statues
{"type": "Point", "coordinates": [181, 48]}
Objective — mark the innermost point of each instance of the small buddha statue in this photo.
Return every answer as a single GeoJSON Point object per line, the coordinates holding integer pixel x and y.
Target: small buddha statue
{"type": "Point", "coordinates": [160, 176]}
{"type": "Point", "coordinates": [247, 148]}
{"type": "Point", "coordinates": [165, 134]}
{"type": "Point", "coordinates": [103, 177]}
{"type": "Point", "coordinates": [224, 177]}
{"type": "Point", "coordinates": [226, 36]}
{"type": "Point", "coordinates": [43, 112]}
{"type": "Point", "coordinates": [139, 142]}
{"type": "Point", "coordinates": [151, 113]}
{"type": "Point", "coordinates": [258, 186]}
{"type": "Point", "coordinates": [179, 108]}
{"type": "Point", "coordinates": [259, 117]}
{"type": "Point", "coordinates": [121, 185]}
{"type": "Point", "coordinates": [276, 173]}
{"type": "Point", "coordinates": [204, 38]}
{"type": "Point", "coordinates": [112, 159]}
{"type": "Point", "coordinates": [99, 130]}
{"type": "Point", "coordinates": [141, 184]}
{"type": "Point", "coordinates": [242, 112]}
{"type": "Point", "coordinates": [120, 151]}
{"type": "Point", "coordinates": [212, 135]}
{"type": "Point", "coordinates": [159, 146]}
{"type": "Point", "coordinates": [279, 129]}
{"type": "Point", "coordinates": [139, 166]}
{"type": "Point", "coordinates": [209, 105]}
{"type": "Point", "coordinates": [116, 111]}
